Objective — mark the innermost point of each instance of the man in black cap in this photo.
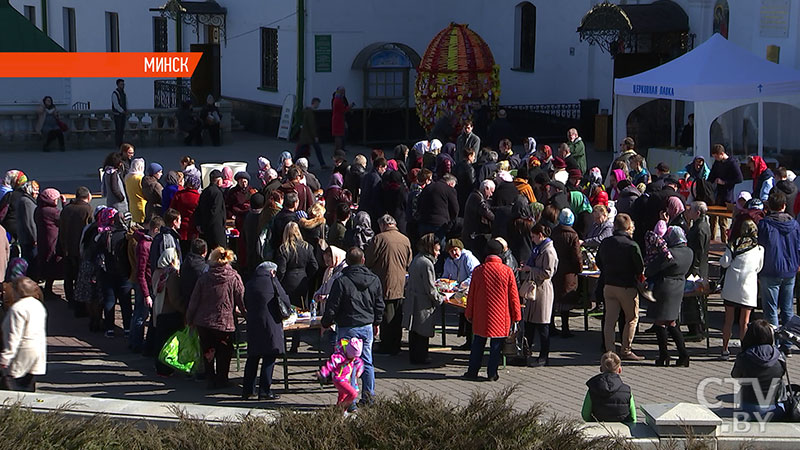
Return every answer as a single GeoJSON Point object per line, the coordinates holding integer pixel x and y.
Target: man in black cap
{"type": "Point", "coordinates": [251, 233]}
{"type": "Point", "coordinates": [659, 175]}
{"type": "Point", "coordinates": [209, 217]}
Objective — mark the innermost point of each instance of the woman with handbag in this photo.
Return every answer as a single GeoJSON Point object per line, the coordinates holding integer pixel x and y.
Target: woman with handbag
{"type": "Point", "coordinates": [266, 303]}
{"type": "Point", "coordinates": [50, 124]}
{"type": "Point", "coordinates": [537, 291]}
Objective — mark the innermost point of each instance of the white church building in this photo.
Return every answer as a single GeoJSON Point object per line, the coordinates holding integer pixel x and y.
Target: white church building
{"type": "Point", "coordinates": [259, 53]}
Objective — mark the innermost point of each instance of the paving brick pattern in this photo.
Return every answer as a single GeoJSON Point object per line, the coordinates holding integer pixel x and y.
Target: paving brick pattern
{"type": "Point", "coordinates": [83, 363]}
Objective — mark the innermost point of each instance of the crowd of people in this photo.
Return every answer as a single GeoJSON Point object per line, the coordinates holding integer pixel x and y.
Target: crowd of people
{"type": "Point", "coordinates": [519, 225]}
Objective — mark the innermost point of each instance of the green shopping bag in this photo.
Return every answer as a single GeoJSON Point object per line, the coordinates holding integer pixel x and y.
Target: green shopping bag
{"type": "Point", "coordinates": [182, 350]}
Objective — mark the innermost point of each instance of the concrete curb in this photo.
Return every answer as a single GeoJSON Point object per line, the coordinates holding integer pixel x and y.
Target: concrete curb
{"type": "Point", "coordinates": [157, 413]}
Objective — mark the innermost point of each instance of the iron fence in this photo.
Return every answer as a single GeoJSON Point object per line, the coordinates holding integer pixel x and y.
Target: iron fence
{"type": "Point", "coordinates": [170, 93]}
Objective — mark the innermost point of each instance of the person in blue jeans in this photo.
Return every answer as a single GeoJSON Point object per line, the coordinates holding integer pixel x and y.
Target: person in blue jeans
{"type": "Point", "coordinates": [141, 288]}
{"type": "Point", "coordinates": [779, 234]}
{"type": "Point", "coordinates": [355, 304]}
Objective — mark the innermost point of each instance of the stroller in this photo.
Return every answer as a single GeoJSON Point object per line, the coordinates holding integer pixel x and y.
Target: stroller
{"type": "Point", "coordinates": [790, 332]}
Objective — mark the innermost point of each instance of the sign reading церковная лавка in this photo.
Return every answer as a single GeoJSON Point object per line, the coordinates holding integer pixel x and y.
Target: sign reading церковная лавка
{"type": "Point", "coordinates": [652, 89]}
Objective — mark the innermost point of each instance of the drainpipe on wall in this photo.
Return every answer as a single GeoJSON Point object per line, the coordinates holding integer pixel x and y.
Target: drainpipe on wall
{"type": "Point", "coordinates": [44, 17]}
{"type": "Point", "coordinates": [301, 65]}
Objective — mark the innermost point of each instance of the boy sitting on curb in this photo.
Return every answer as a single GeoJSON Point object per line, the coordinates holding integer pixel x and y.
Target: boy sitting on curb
{"type": "Point", "coordinates": [608, 398]}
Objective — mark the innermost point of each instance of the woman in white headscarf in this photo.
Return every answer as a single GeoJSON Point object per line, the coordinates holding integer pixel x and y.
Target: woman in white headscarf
{"type": "Point", "coordinates": [133, 188]}
{"type": "Point", "coordinates": [168, 308]}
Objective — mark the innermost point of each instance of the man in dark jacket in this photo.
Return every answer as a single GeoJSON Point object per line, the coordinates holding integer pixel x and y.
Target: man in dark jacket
{"type": "Point", "coordinates": [304, 196]}
{"type": "Point", "coordinates": [478, 219]}
{"type": "Point", "coordinates": [209, 216]}
{"type": "Point", "coordinates": [698, 239]}
{"type": "Point", "coordinates": [370, 189]}
{"type": "Point", "coordinates": [251, 232]}
{"type": "Point", "coordinates": [786, 186]}
{"type": "Point", "coordinates": [438, 207]}
{"type": "Point", "coordinates": [620, 262]}
{"type": "Point", "coordinates": [167, 237]}
{"type": "Point", "coordinates": [779, 234]}
{"type": "Point", "coordinates": [467, 139]}
{"type": "Point", "coordinates": [74, 218]}
{"type": "Point", "coordinates": [271, 183]}
{"type": "Point", "coordinates": [194, 265]}
{"type": "Point", "coordinates": [725, 174]}
{"type": "Point", "coordinates": [465, 178]}
{"type": "Point", "coordinates": [355, 304]}
{"type": "Point", "coordinates": [284, 216]}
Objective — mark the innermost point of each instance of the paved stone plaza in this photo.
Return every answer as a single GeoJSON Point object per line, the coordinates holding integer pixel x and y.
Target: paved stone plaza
{"type": "Point", "coordinates": [80, 363]}
{"type": "Point", "coordinates": [83, 363]}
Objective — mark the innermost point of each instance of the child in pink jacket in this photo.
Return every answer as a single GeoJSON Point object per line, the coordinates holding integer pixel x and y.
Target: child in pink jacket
{"type": "Point", "coordinates": [343, 367]}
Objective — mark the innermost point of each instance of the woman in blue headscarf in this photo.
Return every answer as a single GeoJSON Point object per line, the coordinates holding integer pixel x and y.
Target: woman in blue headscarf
{"type": "Point", "coordinates": [570, 264]}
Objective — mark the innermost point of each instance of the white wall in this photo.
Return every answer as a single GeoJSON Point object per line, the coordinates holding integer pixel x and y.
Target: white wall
{"type": "Point", "coordinates": [241, 58]}
{"type": "Point", "coordinates": [558, 77]}
{"type": "Point", "coordinates": [135, 35]}
{"type": "Point", "coordinates": [353, 24]}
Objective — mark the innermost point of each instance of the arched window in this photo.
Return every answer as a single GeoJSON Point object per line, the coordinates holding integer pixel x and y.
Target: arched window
{"type": "Point", "coordinates": [525, 36]}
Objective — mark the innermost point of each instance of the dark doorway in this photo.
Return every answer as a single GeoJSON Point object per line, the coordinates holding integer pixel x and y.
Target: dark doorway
{"type": "Point", "coordinates": [206, 77]}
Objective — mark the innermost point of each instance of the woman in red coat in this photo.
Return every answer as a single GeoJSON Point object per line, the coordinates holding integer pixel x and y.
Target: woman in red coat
{"type": "Point", "coordinates": [185, 201]}
{"type": "Point", "coordinates": [340, 106]}
{"type": "Point", "coordinates": [492, 306]}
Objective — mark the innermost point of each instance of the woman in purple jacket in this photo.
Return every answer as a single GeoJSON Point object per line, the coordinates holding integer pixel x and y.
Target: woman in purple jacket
{"type": "Point", "coordinates": [217, 293]}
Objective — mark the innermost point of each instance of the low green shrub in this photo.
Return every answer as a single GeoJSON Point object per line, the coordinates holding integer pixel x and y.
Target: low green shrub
{"type": "Point", "coordinates": [406, 420]}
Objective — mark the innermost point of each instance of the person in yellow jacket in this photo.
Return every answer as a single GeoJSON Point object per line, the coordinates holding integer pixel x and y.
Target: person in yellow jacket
{"type": "Point", "coordinates": [133, 188]}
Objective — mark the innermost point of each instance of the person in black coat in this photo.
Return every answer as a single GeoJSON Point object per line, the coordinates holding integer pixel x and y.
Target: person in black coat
{"type": "Point", "coordinates": [265, 340]}
{"type": "Point", "coordinates": [393, 198]}
{"type": "Point", "coordinates": [282, 218]}
{"type": "Point", "coordinates": [193, 265]}
{"type": "Point", "coordinates": [296, 264]}
{"type": "Point", "coordinates": [669, 276]}
{"type": "Point", "coordinates": [438, 207]}
{"type": "Point", "coordinates": [760, 360]}
{"type": "Point", "coordinates": [370, 189]}
{"type": "Point", "coordinates": [465, 177]}
{"type": "Point", "coordinates": [352, 180]}
{"type": "Point", "coordinates": [251, 232]}
{"type": "Point", "coordinates": [505, 193]}
{"type": "Point", "coordinates": [478, 218]}
{"type": "Point", "coordinates": [210, 213]}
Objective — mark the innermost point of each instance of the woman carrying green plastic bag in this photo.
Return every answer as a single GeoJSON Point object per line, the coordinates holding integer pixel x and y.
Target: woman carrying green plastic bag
{"type": "Point", "coordinates": [182, 351]}
{"type": "Point", "coordinates": [168, 313]}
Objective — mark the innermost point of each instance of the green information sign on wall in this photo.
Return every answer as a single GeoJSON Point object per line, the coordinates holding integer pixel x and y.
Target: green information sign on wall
{"type": "Point", "coordinates": [322, 52]}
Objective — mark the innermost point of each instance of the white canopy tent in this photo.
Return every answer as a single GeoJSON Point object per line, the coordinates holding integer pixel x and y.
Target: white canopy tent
{"type": "Point", "coordinates": [717, 76]}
